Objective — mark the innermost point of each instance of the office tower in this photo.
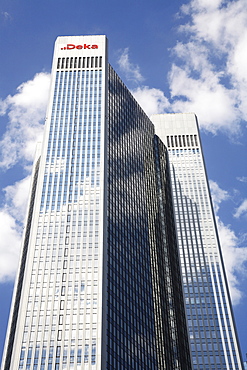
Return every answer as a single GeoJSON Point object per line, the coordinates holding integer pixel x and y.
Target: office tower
{"type": "Point", "coordinates": [99, 283]}
{"type": "Point", "coordinates": [212, 333]}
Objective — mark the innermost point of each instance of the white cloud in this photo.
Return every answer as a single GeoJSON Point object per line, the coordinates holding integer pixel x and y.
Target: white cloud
{"type": "Point", "coordinates": [152, 101]}
{"type": "Point", "coordinates": [209, 76]}
{"type": "Point", "coordinates": [10, 242]}
{"type": "Point", "coordinates": [218, 195]}
{"type": "Point", "coordinates": [242, 179]}
{"type": "Point", "coordinates": [26, 112]}
{"type": "Point", "coordinates": [235, 258]}
{"type": "Point", "coordinates": [131, 71]}
{"type": "Point", "coordinates": [16, 197]}
{"type": "Point", "coordinates": [211, 101]}
{"type": "Point", "coordinates": [234, 254]}
{"type": "Point", "coordinates": [6, 16]}
{"type": "Point", "coordinates": [12, 216]}
{"type": "Point", "coordinates": [241, 209]}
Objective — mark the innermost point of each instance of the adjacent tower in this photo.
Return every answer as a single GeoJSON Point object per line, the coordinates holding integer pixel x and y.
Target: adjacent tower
{"type": "Point", "coordinates": [99, 284]}
{"type": "Point", "coordinates": [212, 333]}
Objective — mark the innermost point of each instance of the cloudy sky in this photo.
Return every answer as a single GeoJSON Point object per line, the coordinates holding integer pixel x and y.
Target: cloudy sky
{"type": "Point", "coordinates": [175, 56]}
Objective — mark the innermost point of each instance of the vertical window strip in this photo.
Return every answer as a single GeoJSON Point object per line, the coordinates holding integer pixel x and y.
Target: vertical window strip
{"type": "Point", "coordinates": [67, 62]}
{"type": "Point", "coordinates": [29, 358]}
{"type": "Point", "coordinates": [55, 102]}
{"type": "Point", "coordinates": [48, 194]}
{"type": "Point", "coordinates": [195, 138]}
{"type": "Point", "coordinates": [188, 140]}
{"type": "Point", "coordinates": [84, 62]}
{"type": "Point", "coordinates": [79, 62]}
{"type": "Point", "coordinates": [93, 359]}
{"type": "Point", "coordinates": [79, 355]}
{"type": "Point", "coordinates": [184, 142]}
{"type": "Point", "coordinates": [86, 353]}
{"type": "Point", "coordinates": [43, 358]}
{"type": "Point", "coordinates": [22, 357]}
{"type": "Point", "coordinates": [191, 139]}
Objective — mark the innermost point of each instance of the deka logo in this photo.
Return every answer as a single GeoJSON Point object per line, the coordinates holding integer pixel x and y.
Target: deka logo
{"type": "Point", "coordinates": [85, 46]}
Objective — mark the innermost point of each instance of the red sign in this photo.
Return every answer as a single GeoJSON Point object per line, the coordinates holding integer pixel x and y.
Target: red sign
{"type": "Point", "coordinates": [85, 46]}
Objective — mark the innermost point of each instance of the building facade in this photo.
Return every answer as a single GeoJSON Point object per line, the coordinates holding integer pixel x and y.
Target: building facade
{"type": "Point", "coordinates": [99, 283]}
{"type": "Point", "coordinates": [213, 338]}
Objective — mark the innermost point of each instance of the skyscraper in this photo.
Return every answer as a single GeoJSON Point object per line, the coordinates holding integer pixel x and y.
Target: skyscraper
{"type": "Point", "coordinates": [213, 338]}
{"type": "Point", "coordinates": [99, 283]}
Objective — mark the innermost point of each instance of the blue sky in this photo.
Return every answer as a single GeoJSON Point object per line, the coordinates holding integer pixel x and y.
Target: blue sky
{"type": "Point", "coordinates": [175, 57]}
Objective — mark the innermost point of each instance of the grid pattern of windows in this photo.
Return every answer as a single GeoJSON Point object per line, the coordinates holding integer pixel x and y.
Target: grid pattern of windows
{"type": "Point", "coordinates": [168, 295]}
{"type": "Point", "coordinates": [211, 328]}
{"type": "Point", "coordinates": [130, 341]}
{"type": "Point", "coordinates": [60, 329]}
{"type": "Point", "coordinates": [205, 295]}
{"type": "Point", "coordinates": [73, 152]}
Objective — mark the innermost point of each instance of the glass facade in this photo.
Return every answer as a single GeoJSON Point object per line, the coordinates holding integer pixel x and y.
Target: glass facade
{"type": "Point", "coordinates": [99, 284]}
{"type": "Point", "coordinates": [213, 338]}
{"type": "Point", "coordinates": [167, 279]}
{"type": "Point", "coordinates": [145, 313]}
{"type": "Point", "coordinates": [130, 342]}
